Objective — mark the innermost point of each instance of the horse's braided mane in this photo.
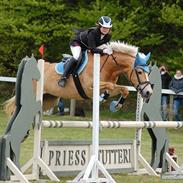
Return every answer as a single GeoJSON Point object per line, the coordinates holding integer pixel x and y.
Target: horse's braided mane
{"type": "Point", "coordinates": [121, 47]}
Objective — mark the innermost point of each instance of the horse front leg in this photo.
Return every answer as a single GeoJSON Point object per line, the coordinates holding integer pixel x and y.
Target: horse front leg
{"type": "Point", "coordinates": [105, 88]}
{"type": "Point", "coordinates": [123, 91]}
{"type": "Point", "coordinates": [114, 89]}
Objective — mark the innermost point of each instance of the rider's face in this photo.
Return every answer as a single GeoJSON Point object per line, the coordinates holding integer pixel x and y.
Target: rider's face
{"type": "Point", "coordinates": [104, 30]}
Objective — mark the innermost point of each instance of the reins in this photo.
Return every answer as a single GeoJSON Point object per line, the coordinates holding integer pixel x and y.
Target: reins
{"type": "Point", "coordinates": [104, 63]}
{"type": "Point", "coordinates": [113, 58]}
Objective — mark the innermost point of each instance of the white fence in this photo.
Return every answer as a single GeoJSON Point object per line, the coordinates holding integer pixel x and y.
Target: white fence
{"type": "Point", "coordinates": [7, 79]}
{"type": "Point", "coordinates": [130, 88]}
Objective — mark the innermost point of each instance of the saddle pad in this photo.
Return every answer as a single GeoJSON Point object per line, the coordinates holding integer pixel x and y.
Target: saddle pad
{"type": "Point", "coordinates": [59, 67]}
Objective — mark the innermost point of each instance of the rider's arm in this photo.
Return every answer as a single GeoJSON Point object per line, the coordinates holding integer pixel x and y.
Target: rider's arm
{"type": "Point", "coordinates": [92, 43]}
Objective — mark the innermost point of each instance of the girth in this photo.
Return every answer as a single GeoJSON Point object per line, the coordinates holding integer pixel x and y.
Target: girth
{"type": "Point", "coordinates": [79, 86]}
{"type": "Point", "coordinates": [78, 83]}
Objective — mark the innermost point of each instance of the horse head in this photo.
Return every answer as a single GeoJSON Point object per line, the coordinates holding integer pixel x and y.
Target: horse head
{"type": "Point", "coordinates": [139, 75]}
{"type": "Point", "coordinates": [132, 64]}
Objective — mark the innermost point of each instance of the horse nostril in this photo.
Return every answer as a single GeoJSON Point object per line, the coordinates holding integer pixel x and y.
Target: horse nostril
{"type": "Point", "coordinates": [148, 93]}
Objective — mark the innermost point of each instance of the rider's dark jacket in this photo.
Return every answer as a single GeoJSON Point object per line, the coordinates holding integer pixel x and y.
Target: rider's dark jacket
{"type": "Point", "coordinates": [90, 39]}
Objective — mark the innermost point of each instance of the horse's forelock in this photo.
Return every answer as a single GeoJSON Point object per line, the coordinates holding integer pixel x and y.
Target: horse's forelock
{"type": "Point", "coordinates": [121, 47]}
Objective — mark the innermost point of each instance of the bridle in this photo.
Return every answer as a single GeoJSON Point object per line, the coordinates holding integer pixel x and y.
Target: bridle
{"type": "Point", "coordinates": [145, 83]}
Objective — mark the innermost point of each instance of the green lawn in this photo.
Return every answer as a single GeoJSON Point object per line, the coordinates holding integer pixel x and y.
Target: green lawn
{"type": "Point", "coordinates": [76, 133]}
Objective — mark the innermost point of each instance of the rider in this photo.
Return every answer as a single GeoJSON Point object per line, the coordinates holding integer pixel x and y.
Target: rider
{"type": "Point", "coordinates": [88, 40]}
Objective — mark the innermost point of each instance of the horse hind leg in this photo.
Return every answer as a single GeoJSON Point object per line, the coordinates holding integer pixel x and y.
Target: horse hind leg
{"type": "Point", "coordinates": [49, 101]}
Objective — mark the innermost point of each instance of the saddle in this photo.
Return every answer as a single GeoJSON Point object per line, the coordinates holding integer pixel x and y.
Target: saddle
{"type": "Point", "coordinates": [59, 67]}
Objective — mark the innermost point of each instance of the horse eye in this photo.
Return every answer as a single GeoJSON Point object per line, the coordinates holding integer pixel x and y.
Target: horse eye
{"type": "Point", "coordinates": [139, 72]}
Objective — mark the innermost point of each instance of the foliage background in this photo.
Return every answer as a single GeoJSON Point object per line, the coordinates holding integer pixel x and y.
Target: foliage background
{"type": "Point", "coordinates": [152, 25]}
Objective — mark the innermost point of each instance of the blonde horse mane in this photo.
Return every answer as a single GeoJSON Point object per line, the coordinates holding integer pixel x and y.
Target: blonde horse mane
{"type": "Point", "coordinates": [121, 47]}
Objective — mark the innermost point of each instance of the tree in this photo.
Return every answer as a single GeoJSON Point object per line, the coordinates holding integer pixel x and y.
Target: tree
{"type": "Point", "coordinates": [154, 26]}
{"type": "Point", "coordinates": [25, 25]}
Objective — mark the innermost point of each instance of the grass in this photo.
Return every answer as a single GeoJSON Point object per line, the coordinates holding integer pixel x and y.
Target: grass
{"type": "Point", "coordinates": [80, 134]}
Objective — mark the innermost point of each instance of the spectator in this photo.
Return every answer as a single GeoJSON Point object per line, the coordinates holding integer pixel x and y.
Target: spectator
{"type": "Point", "coordinates": [61, 106]}
{"type": "Point", "coordinates": [165, 80]}
{"type": "Point", "coordinates": [176, 85]}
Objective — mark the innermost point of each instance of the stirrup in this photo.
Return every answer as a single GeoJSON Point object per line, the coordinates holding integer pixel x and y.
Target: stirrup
{"type": "Point", "coordinates": [62, 82]}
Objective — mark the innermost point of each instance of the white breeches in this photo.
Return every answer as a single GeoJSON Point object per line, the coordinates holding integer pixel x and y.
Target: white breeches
{"type": "Point", "coordinates": [76, 51]}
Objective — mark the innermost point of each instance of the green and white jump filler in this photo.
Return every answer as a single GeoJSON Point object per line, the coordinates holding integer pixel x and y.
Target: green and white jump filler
{"type": "Point", "coordinates": [26, 109]}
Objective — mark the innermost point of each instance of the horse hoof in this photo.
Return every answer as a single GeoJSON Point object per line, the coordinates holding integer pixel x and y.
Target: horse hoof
{"type": "Point", "coordinates": [114, 106]}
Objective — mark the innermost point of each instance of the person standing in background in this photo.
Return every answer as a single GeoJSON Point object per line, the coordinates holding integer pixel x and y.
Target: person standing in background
{"type": "Point", "coordinates": [176, 85]}
{"type": "Point", "coordinates": [61, 107]}
{"type": "Point", "coordinates": [165, 80]}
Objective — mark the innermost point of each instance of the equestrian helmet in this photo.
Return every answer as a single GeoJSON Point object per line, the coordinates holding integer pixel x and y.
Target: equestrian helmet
{"type": "Point", "coordinates": [105, 21]}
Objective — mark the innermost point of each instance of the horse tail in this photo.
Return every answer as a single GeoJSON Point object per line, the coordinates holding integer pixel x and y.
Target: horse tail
{"type": "Point", "coordinates": [9, 106]}
{"type": "Point", "coordinates": [49, 101]}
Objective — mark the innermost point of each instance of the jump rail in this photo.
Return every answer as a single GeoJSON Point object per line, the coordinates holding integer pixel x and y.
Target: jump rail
{"type": "Point", "coordinates": [112, 124]}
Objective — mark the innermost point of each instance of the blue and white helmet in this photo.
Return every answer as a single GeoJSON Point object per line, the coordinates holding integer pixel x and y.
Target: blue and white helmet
{"type": "Point", "coordinates": [105, 21]}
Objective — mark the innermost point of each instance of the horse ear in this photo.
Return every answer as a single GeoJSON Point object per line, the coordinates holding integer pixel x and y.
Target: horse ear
{"type": "Point", "coordinates": [147, 56]}
{"type": "Point", "coordinates": [141, 58]}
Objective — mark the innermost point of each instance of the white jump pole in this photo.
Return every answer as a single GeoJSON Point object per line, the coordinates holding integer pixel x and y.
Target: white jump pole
{"type": "Point", "coordinates": [96, 113]}
{"type": "Point", "coordinates": [113, 124]}
{"type": "Point", "coordinates": [138, 133]}
{"type": "Point", "coordinates": [138, 137]}
{"type": "Point", "coordinates": [91, 172]}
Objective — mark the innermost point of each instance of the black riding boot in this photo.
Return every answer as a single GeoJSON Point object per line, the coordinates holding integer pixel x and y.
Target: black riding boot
{"type": "Point", "coordinates": [69, 67]}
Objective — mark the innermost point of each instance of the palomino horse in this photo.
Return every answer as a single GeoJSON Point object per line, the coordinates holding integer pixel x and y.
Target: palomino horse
{"type": "Point", "coordinates": [122, 61]}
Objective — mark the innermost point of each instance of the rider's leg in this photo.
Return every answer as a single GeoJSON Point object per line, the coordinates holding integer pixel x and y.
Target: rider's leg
{"type": "Point", "coordinates": [67, 71]}
{"type": "Point", "coordinates": [76, 50]}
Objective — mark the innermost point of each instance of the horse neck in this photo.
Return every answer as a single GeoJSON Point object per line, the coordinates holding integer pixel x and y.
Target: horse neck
{"type": "Point", "coordinates": [119, 64]}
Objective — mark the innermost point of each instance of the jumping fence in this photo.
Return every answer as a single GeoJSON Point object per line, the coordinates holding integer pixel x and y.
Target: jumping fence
{"type": "Point", "coordinates": [91, 172]}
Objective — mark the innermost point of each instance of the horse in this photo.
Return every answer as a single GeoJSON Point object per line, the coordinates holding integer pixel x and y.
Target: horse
{"type": "Point", "coordinates": [123, 61]}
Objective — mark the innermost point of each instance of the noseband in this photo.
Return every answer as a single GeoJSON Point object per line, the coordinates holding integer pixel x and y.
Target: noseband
{"type": "Point", "coordinates": [145, 83]}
